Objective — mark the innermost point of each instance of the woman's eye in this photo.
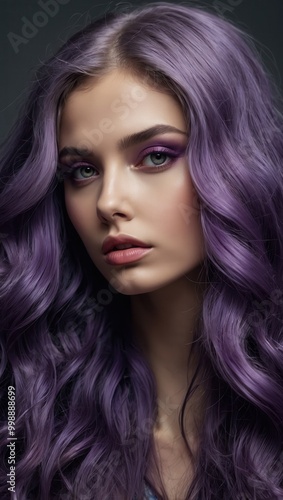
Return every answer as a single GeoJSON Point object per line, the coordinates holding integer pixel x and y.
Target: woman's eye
{"type": "Point", "coordinates": [77, 172]}
{"type": "Point", "coordinates": [84, 172]}
{"type": "Point", "coordinates": [156, 159]}
{"type": "Point", "coordinates": [159, 158]}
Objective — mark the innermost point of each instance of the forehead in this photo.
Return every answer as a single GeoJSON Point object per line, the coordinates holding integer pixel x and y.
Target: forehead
{"type": "Point", "coordinates": [118, 101]}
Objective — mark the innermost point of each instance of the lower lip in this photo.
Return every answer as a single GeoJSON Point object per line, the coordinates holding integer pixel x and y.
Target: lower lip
{"type": "Point", "coordinates": [126, 256]}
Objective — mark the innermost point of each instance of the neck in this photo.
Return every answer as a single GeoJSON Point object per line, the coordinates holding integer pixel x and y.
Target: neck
{"type": "Point", "coordinates": [163, 324]}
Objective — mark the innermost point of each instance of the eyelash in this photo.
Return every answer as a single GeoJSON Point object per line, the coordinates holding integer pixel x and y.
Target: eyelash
{"type": "Point", "coordinates": [68, 171]}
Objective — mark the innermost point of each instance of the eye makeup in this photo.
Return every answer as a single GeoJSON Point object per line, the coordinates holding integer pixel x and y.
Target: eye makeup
{"type": "Point", "coordinates": [173, 150]}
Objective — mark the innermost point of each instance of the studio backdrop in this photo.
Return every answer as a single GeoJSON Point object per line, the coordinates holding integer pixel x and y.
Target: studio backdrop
{"type": "Point", "coordinates": [32, 30]}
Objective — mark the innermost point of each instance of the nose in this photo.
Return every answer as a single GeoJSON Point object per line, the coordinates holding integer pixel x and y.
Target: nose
{"type": "Point", "coordinates": [114, 198]}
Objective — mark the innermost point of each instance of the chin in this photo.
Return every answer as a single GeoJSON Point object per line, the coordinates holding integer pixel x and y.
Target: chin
{"type": "Point", "coordinates": [139, 284]}
{"type": "Point", "coordinates": [132, 288]}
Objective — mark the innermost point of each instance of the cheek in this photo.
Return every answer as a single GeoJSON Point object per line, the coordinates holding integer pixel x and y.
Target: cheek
{"type": "Point", "coordinates": [181, 222]}
{"type": "Point", "coordinates": [78, 211]}
{"type": "Point", "coordinates": [179, 213]}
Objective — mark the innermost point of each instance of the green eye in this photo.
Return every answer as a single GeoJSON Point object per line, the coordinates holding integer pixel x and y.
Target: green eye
{"type": "Point", "coordinates": [157, 159]}
{"type": "Point", "coordinates": [85, 171]}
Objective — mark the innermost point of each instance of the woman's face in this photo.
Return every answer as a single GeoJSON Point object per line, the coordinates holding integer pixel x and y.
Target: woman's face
{"type": "Point", "coordinates": [131, 178]}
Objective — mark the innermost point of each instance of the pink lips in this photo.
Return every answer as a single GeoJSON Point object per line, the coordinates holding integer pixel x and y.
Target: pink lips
{"type": "Point", "coordinates": [116, 256]}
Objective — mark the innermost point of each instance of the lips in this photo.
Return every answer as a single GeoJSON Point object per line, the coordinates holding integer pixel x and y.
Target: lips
{"type": "Point", "coordinates": [120, 242]}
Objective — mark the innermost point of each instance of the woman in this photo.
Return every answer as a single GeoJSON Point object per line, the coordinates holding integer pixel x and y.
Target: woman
{"type": "Point", "coordinates": [141, 292]}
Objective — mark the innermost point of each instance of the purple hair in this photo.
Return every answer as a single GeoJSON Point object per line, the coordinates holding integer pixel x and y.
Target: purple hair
{"type": "Point", "coordinates": [86, 398]}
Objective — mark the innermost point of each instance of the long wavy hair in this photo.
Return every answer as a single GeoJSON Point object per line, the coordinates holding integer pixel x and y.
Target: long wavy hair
{"type": "Point", "coordinates": [86, 399]}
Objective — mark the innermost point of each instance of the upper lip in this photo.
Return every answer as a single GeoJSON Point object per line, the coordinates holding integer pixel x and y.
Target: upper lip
{"type": "Point", "coordinates": [111, 242]}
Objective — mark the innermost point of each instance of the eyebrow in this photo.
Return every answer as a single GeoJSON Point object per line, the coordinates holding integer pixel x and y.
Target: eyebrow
{"type": "Point", "coordinates": [126, 142]}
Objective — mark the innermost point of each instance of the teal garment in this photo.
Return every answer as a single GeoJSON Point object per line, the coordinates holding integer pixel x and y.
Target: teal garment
{"type": "Point", "coordinates": [148, 494]}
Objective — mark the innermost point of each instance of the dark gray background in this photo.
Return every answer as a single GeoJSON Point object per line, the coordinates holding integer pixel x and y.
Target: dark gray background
{"type": "Point", "coordinates": [263, 19]}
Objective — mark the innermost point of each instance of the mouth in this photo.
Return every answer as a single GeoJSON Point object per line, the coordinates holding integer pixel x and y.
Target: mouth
{"type": "Point", "coordinates": [121, 242]}
{"type": "Point", "coordinates": [126, 255]}
{"type": "Point", "coordinates": [123, 246]}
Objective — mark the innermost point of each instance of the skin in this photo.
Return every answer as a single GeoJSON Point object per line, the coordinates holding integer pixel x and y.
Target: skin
{"type": "Point", "coordinates": [123, 194]}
